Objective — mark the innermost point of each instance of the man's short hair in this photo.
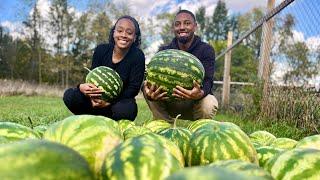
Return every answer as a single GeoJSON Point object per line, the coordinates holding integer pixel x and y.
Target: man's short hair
{"type": "Point", "coordinates": [188, 12]}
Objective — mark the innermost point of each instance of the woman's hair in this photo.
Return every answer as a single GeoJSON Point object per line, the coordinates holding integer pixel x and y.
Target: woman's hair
{"type": "Point", "coordinates": [137, 42]}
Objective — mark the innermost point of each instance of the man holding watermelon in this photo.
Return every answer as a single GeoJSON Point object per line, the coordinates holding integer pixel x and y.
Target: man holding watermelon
{"type": "Point", "coordinates": [193, 103]}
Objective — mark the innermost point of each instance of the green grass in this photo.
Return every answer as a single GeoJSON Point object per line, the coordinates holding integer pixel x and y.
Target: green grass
{"type": "Point", "coordinates": [46, 110]}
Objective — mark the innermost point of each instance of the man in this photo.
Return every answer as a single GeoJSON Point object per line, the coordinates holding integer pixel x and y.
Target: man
{"type": "Point", "coordinates": [197, 103]}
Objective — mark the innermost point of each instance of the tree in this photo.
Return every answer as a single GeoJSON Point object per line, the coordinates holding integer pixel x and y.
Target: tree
{"type": "Point", "coordinates": [101, 26]}
{"type": "Point", "coordinates": [218, 24]}
{"type": "Point", "coordinates": [166, 20]}
{"type": "Point", "coordinates": [201, 20]}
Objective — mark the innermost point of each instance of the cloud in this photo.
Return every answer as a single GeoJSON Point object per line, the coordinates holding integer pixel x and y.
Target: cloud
{"type": "Point", "coordinates": [16, 29]}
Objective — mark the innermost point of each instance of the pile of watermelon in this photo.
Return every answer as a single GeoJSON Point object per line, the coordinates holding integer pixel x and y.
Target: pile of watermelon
{"type": "Point", "coordinates": [96, 147]}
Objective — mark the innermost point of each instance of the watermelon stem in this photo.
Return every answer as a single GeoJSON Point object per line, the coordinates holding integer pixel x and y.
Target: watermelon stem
{"type": "Point", "coordinates": [87, 69]}
{"type": "Point", "coordinates": [30, 122]}
{"type": "Point", "coordinates": [175, 121]}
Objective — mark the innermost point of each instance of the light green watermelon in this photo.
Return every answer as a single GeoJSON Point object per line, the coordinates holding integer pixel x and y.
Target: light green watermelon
{"type": "Point", "coordinates": [134, 131]}
{"type": "Point", "coordinates": [172, 67]}
{"type": "Point", "coordinates": [193, 126]}
{"type": "Point", "coordinates": [92, 136]}
{"type": "Point", "coordinates": [207, 173]}
{"type": "Point", "coordinates": [220, 141]}
{"type": "Point", "coordinates": [141, 159]}
{"type": "Point", "coordinates": [10, 132]}
{"type": "Point", "coordinates": [283, 143]}
{"type": "Point", "coordinates": [248, 169]}
{"type": "Point", "coordinates": [309, 142]}
{"type": "Point", "coordinates": [107, 80]}
{"type": "Point", "coordinates": [264, 138]}
{"type": "Point", "coordinates": [39, 159]}
{"type": "Point", "coordinates": [157, 126]}
{"type": "Point", "coordinates": [295, 164]}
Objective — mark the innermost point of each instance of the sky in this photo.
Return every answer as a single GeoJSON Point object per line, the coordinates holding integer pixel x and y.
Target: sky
{"type": "Point", "coordinates": [306, 13]}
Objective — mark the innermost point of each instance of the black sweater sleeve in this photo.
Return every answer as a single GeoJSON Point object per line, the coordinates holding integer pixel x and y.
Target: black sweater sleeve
{"type": "Point", "coordinates": [208, 62]}
{"type": "Point", "coordinates": [136, 76]}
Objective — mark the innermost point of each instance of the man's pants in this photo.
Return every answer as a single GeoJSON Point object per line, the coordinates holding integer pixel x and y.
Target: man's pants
{"type": "Point", "coordinates": [204, 108]}
{"type": "Point", "coordinates": [78, 103]}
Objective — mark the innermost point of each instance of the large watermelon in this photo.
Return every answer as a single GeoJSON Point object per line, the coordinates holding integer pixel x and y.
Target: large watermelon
{"type": "Point", "coordinates": [10, 132]}
{"type": "Point", "coordinates": [193, 126]}
{"type": "Point", "coordinates": [107, 80]}
{"type": "Point", "coordinates": [220, 141]}
{"type": "Point", "coordinates": [92, 136]}
{"type": "Point", "coordinates": [139, 158]}
{"type": "Point", "coordinates": [157, 126]}
{"type": "Point", "coordinates": [134, 131]}
{"type": "Point", "coordinates": [39, 159]}
{"type": "Point", "coordinates": [295, 164]}
{"type": "Point", "coordinates": [172, 67]}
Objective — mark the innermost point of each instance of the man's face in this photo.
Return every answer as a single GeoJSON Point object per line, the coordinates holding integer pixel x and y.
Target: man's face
{"type": "Point", "coordinates": [184, 27]}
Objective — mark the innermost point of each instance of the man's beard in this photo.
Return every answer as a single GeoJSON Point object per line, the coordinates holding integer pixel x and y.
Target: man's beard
{"type": "Point", "coordinates": [183, 40]}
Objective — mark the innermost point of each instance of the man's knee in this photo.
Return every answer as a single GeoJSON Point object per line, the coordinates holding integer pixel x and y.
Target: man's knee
{"type": "Point", "coordinates": [206, 108]}
{"type": "Point", "coordinates": [125, 109]}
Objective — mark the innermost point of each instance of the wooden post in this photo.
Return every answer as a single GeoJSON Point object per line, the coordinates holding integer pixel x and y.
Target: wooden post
{"type": "Point", "coordinates": [226, 75]}
{"type": "Point", "coordinates": [264, 65]}
{"type": "Point", "coordinates": [265, 48]}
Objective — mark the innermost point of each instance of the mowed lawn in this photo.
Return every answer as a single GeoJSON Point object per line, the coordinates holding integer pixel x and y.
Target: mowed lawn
{"type": "Point", "coordinates": [39, 110]}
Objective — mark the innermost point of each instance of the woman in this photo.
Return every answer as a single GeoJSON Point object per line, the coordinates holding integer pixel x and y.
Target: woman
{"type": "Point", "coordinates": [122, 54]}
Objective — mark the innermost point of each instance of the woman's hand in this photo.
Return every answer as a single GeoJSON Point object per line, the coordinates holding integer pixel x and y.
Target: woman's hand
{"type": "Point", "coordinates": [194, 94]}
{"type": "Point", "coordinates": [98, 103]}
{"type": "Point", "coordinates": [90, 90]}
{"type": "Point", "coordinates": [153, 92]}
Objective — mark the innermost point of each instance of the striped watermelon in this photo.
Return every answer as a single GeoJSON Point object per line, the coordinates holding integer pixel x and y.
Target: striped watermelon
{"type": "Point", "coordinates": [263, 138]}
{"type": "Point", "coordinates": [107, 80]}
{"type": "Point", "coordinates": [157, 126]}
{"type": "Point", "coordinates": [295, 164]}
{"type": "Point", "coordinates": [10, 132]}
{"type": "Point", "coordinates": [180, 136]}
{"type": "Point", "coordinates": [39, 159]}
{"type": "Point", "coordinates": [193, 126]}
{"type": "Point", "coordinates": [207, 173]}
{"type": "Point", "coordinates": [167, 144]}
{"type": "Point", "coordinates": [169, 68]}
{"type": "Point", "coordinates": [265, 153]}
{"type": "Point", "coordinates": [310, 142]}
{"type": "Point", "coordinates": [134, 131]}
{"type": "Point", "coordinates": [283, 143]}
{"type": "Point", "coordinates": [220, 141]}
{"type": "Point", "coordinates": [248, 169]}
{"type": "Point", "coordinates": [140, 159]}
{"type": "Point", "coordinates": [92, 136]}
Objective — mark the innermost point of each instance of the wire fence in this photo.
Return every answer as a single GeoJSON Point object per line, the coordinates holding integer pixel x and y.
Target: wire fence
{"type": "Point", "coordinates": [287, 65]}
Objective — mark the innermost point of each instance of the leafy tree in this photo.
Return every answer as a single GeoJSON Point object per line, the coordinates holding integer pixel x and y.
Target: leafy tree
{"type": "Point", "coordinates": [218, 24]}
{"type": "Point", "coordinates": [201, 20]}
{"type": "Point", "coordinates": [166, 21]}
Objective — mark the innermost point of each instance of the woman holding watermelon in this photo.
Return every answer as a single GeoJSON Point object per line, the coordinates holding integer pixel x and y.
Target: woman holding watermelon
{"type": "Point", "coordinates": [123, 55]}
{"type": "Point", "coordinates": [195, 103]}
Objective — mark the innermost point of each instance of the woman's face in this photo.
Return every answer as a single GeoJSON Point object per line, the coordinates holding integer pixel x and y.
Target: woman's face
{"type": "Point", "coordinates": [124, 34]}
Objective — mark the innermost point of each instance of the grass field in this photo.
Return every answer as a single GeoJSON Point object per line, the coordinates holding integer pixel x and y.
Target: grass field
{"type": "Point", "coordinates": [45, 110]}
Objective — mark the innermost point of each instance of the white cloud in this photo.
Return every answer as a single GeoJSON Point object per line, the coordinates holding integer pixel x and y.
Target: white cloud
{"type": "Point", "coordinates": [16, 29]}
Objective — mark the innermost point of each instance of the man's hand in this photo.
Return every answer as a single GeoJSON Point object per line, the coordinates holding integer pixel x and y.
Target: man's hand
{"type": "Point", "coordinates": [153, 92]}
{"type": "Point", "coordinates": [194, 94]}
